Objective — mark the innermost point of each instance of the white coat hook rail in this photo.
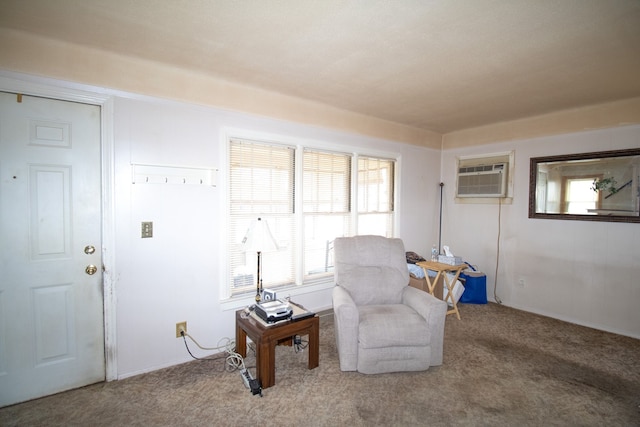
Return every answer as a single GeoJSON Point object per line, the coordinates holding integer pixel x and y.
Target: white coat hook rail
{"type": "Point", "coordinates": [181, 175]}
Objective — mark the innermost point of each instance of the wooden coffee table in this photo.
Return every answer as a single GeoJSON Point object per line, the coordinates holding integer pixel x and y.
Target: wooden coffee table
{"type": "Point", "coordinates": [267, 337]}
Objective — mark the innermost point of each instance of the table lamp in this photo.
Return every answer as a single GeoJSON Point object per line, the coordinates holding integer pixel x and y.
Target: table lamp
{"type": "Point", "coordinates": [259, 239]}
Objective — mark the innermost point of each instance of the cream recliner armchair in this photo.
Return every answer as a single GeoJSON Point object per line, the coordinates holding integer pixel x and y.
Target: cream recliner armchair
{"type": "Point", "coordinates": [382, 324]}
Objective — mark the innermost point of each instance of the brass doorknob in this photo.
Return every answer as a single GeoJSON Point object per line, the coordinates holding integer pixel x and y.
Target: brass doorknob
{"type": "Point", "coordinates": [89, 250]}
{"type": "Point", "coordinates": [91, 270]}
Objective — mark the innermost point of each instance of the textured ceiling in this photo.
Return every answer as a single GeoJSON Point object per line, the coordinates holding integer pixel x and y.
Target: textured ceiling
{"type": "Point", "coordinates": [440, 65]}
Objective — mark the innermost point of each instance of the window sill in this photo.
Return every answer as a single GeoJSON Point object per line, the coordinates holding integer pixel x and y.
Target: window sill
{"type": "Point", "coordinates": [241, 301]}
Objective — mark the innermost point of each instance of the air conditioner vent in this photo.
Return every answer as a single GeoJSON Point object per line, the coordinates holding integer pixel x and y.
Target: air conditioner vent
{"type": "Point", "coordinates": [482, 168]}
{"type": "Point", "coordinates": [482, 180]}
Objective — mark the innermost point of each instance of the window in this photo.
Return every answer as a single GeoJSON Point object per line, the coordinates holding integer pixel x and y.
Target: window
{"type": "Point", "coordinates": [375, 196]}
{"type": "Point", "coordinates": [579, 197]}
{"type": "Point", "coordinates": [261, 184]}
{"type": "Point", "coordinates": [327, 202]}
{"type": "Point", "coordinates": [307, 197]}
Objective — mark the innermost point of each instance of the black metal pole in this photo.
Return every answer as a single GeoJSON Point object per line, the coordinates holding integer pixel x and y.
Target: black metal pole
{"type": "Point", "coordinates": [440, 229]}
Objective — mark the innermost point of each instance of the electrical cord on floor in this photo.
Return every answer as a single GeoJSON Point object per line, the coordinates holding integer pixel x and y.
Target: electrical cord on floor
{"type": "Point", "coordinates": [233, 360]}
{"type": "Point", "coordinates": [495, 282]}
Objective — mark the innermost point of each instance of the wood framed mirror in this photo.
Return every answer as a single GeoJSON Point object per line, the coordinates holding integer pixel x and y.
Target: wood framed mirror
{"type": "Point", "coordinates": [596, 186]}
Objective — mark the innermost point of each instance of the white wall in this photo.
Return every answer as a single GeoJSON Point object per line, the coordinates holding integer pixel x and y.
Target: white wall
{"type": "Point", "coordinates": [581, 271]}
{"type": "Point", "coordinates": [177, 274]}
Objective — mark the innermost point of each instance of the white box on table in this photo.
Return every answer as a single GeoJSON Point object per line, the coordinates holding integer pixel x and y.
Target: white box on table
{"type": "Point", "coordinates": [450, 260]}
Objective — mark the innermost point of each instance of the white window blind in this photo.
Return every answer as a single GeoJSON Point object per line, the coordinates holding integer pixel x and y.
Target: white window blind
{"type": "Point", "coordinates": [375, 196]}
{"type": "Point", "coordinates": [261, 185]}
{"type": "Point", "coordinates": [326, 207]}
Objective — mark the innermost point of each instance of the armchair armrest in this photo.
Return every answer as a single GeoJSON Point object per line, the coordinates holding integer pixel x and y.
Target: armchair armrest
{"type": "Point", "coordinates": [347, 320]}
{"type": "Point", "coordinates": [434, 312]}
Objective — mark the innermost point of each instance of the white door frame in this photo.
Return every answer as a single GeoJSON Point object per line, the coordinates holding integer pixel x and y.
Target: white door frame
{"type": "Point", "coordinates": [49, 88]}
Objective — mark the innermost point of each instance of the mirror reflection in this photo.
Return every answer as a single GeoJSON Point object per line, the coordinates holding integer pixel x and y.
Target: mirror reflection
{"type": "Point", "coordinates": [602, 186]}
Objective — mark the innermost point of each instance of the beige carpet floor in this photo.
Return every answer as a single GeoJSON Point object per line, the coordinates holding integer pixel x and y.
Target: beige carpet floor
{"type": "Point", "coordinates": [502, 367]}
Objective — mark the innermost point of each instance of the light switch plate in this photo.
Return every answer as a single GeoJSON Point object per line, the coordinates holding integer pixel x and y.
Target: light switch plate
{"type": "Point", "coordinates": [146, 229]}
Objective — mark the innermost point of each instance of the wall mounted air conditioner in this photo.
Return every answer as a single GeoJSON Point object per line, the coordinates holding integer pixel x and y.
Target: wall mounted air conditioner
{"type": "Point", "coordinates": [482, 180]}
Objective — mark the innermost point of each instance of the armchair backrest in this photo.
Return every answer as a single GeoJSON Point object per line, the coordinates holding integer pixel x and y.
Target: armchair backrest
{"type": "Point", "coordinates": [373, 269]}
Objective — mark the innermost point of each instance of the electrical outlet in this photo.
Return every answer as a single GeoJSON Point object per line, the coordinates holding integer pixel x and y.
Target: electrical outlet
{"type": "Point", "coordinates": [180, 328]}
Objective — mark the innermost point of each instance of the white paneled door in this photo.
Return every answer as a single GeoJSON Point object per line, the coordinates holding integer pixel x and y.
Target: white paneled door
{"type": "Point", "coordinates": [51, 302]}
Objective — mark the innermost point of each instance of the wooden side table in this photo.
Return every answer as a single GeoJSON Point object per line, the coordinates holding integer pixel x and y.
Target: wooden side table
{"type": "Point", "coordinates": [267, 337]}
{"type": "Point", "coordinates": [441, 268]}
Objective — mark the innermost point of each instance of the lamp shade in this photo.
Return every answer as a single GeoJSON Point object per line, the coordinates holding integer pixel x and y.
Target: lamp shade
{"type": "Point", "coordinates": [259, 238]}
